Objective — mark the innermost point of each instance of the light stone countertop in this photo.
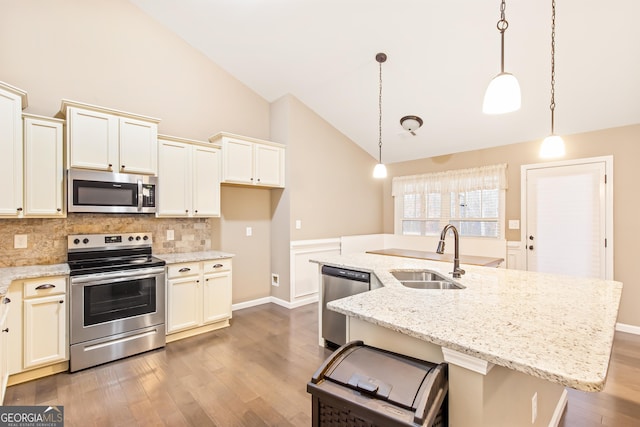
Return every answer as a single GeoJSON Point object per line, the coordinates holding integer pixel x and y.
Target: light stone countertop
{"type": "Point", "coordinates": [193, 256]}
{"type": "Point", "coordinates": [557, 328]}
{"type": "Point", "coordinates": [9, 274]}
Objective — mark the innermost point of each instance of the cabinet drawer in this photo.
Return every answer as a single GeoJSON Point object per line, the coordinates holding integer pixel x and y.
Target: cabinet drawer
{"type": "Point", "coordinates": [216, 265]}
{"type": "Point", "coordinates": [183, 269]}
{"type": "Point", "coordinates": [45, 286]}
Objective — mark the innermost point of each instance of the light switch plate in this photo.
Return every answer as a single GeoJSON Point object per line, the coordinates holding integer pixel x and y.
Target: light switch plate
{"type": "Point", "coordinates": [514, 224]}
{"type": "Point", "coordinates": [20, 241]}
{"type": "Point", "coordinates": [249, 231]}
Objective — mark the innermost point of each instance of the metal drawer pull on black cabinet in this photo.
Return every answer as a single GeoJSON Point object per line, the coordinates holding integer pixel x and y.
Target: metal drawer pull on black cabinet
{"type": "Point", "coordinates": [359, 385]}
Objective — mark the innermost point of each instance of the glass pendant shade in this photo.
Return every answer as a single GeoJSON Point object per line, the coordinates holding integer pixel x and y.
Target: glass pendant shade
{"type": "Point", "coordinates": [380, 171]}
{"type": "Point", "coordinates": [552, 146]}
{"type": "Point", "coordinates": [502, 95]}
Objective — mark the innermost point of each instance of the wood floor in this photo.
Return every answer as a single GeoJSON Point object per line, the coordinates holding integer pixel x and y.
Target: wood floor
{"type": "Point", "coordinates": [254, 374]}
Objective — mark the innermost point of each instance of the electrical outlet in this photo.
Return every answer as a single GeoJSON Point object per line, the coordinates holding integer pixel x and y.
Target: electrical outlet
{"type": "Point", "coordinates": [275, 279]}
{"type": "Point", "coordinates": [20, 241]}
{"type": "Point", "coordinates": [534, 407]}
{"type": "Point", "coordinates": [170, 235]}
{"type": "Point", "coordinates": [249, 231]}
{"type": "Point", "coordinates": [298, 224]}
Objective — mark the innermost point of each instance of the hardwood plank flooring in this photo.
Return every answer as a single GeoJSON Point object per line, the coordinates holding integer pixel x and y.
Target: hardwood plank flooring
{"type": "Point", "coordinates": [255, 374]}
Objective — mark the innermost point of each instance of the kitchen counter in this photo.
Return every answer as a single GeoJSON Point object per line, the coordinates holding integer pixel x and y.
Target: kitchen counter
{"type": "Point", "coordinates": [193, 256]}
{"type": "Point", "coordinates": [557, 328]}
{"type": "Point", "coordinates": [9, 274]}
{"type": "Point", "coordinates": [434, 256]}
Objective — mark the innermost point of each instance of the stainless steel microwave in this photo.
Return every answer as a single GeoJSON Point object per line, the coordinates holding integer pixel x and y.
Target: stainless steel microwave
{"type": "Point", "coordinates": [107, 192]}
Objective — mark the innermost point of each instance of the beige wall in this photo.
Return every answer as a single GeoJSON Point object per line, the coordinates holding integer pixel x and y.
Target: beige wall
{"type": "Point", "coordinates": [620, 142]}
{"type": "Point", "coordinates": [329, 186]}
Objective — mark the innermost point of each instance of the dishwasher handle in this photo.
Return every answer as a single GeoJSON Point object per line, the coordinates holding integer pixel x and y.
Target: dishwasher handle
{"type": "Point", "coordinates": [358, 276]}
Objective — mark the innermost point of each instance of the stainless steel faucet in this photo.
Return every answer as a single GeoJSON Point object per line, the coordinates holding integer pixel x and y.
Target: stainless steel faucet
{"type": "Point", "coordinates": [457, 271]}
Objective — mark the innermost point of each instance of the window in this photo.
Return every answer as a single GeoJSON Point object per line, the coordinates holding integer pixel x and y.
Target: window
{"type": "Point", "coordinates": [470, 199]}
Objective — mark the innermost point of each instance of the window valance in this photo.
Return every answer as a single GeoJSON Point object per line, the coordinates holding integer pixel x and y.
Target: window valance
{"type": "Point", "coordinates": [459, 180]}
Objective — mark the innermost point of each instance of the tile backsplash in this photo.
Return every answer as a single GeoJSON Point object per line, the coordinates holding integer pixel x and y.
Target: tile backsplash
{"type": "Point", "coordinates": [47, 238]}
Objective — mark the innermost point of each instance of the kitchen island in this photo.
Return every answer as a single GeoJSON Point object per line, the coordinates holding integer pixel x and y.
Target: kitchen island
{"type": "Point", "coordinates": [513, 339]}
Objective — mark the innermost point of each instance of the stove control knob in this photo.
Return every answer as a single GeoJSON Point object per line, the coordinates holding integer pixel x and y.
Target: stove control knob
{"type": "Point", "coordinates": [145, 238]}
{"type": "Point", "coordinates": [85, 240]}
{"type": "Point", "coordinates": [76, 241]}
{"type": "Point", "coordinates": [131, 238]}
{"type": "Point", "coordinates": [137, 237]}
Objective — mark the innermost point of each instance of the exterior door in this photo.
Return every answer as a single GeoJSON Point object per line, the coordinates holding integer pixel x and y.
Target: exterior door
{"type": "Point", "coordinates": [568, 225]}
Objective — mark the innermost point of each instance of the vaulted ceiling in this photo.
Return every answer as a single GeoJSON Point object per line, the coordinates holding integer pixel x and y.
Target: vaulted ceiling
{"type": "Point", "coordinates": [441, 57]}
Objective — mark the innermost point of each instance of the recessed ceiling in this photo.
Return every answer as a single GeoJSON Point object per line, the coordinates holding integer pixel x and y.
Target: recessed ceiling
{"type": "Point", "coordinates": [441, 57]}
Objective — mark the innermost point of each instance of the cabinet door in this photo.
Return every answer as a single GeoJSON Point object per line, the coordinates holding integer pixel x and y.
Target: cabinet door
{"type": "Point", "coordinates": [206, 182]}
{"type": "Point", "coordinates": [44, 330]}
{"type": "Point", "coordinates": [237, 163]}
{"type": "Point", "coordinates": [183, 301]}
{"type": "Point", "coordinates": [4, 349]}
{"type": "Point", "coordinates": [217, 297]}
{"type": "Point", "coordinates": [268, 165]}
{"type": "Point", "coordinates": [174, 182]}
{"type": "Point", "coordinates": [43, 168]}
{"type": "Point", "coordinates": [11, 157]}
{"type": "Point", "coordinates": [93, 139]}
{"type": "Point", "coordinates": [138, 146]}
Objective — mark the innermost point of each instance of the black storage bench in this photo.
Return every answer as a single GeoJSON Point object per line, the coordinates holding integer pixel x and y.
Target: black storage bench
{"type": "Point", "coordinates": [360, 386]}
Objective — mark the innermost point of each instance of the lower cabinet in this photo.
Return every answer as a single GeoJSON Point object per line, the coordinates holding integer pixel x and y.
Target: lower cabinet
{"type": "Point", "coordinates": [4, 349]}
{"type": "Point", "coordinates": [38, 332]}
{"type": "Point", "coordinates": [198, 297]}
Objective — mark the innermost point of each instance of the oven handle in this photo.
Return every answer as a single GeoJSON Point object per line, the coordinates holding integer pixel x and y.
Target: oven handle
{"type": "Point", "coordinates": [101, 279]}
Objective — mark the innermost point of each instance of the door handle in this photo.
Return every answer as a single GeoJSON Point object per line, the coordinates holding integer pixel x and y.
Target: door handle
{"type": "Point", "coordinates": [530, 237]}
{"type": "Point", "coordinates": [531, 247]}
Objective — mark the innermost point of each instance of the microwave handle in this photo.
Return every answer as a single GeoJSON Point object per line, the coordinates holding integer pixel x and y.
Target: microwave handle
{"type": "Point", "coordinates": [139, 194]}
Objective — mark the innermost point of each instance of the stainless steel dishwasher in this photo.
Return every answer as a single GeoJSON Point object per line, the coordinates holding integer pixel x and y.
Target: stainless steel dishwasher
{"type": "Point", "coordinates": [339, 283]}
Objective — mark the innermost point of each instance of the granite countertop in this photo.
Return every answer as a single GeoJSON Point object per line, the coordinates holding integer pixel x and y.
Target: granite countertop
{"type": "Point", "coordinates": [557, 328]}
{"type": "Point", "coordinates": [9, 274]}
{"type": "Point", "coordinates": [193, 256]}
{"type": "Point", "coordinates": [434, 256]}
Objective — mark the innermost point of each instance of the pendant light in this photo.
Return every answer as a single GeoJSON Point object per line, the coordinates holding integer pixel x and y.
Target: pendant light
{"type": "Point", "coordinates": [380, 171]}
{"type": "Point", "coordinates": [553, 145]}
{"type": "Point", "coordinates": [503, 92]}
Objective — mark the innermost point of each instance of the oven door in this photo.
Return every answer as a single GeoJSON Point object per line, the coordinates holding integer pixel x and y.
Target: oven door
{"type": "Point", "coordinates": [112, 303]}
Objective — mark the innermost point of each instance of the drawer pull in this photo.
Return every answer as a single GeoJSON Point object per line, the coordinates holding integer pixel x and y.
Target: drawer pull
{"type": "Point", "coordinates": [45, 286]}
{"type": "Point", "coordinates": [6, 300]}
{"type": "Point", "coordinates": [184, 270]}
{"type": "Point", "coordinates": [218, 265]}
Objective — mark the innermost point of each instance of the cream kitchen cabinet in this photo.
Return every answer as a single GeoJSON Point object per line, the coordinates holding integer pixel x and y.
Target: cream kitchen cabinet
{"type": "Point", "coordinates": [43, 167]}
{"type": "Point", "coordinates": [4, 349]}
{"type": "Point", "coordinates": [198, 297]}
{"type": "Point", "coordinates": [37, 322]}
{"type": "Point", "coordinates": [12, 101]}
{"type": "Point", "coordinates": [104, 139]}
{"type": "Point", "coordinates": [250, 161]}
{"type": "Point", "coordinates": [188, 178]}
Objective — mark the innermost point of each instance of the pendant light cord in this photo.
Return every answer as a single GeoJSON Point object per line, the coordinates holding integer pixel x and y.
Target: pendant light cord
{"type": "Point", "coordinates": [380, 57]}
{"type": "Point", "coordinates": [502, 27]}
{"type": "Point", "coordinates": [552, 106]}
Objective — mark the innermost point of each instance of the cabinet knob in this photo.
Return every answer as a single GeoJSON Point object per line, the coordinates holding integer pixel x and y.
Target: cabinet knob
{"type": "Point", "coordinates": [61, 301]}
{"type": "Point", "coordinates": [251, 179]}
{"type": "Point", "coordinates": [6, 300]}
{"type": "Point", "coordinates": [110, 165]}
{"type": "Point", "coordinates": [122, 167]}
{"type": "Point", "coordinates": [19, 209]}
{"type": "Point", "coordinates": [5, 330]}
{"type": "Point", "coordinates": [59, 209]}
{"type": "Point", "coordinates": [196, 211]}
{"type": "Point", "coordinates": [186, 210]}
{"type": "Point", "coordinates": [258, 179]}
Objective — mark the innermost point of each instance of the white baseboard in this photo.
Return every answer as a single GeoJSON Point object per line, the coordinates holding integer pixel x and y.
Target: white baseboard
{"type": "Point", "coordinates": [628, 328]}
{"type": "Point", "coordinates": [266, 300]}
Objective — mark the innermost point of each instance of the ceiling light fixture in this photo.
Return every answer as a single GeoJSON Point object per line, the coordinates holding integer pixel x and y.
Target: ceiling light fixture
{"type": "Point", "coordinates": [380, 171]}
{"type": "Point", "coordinates": [411, 124]}
{"type": "Point", "coordinates": [553, 145]}
{"type": "Point", "coordinates": [503, 92]}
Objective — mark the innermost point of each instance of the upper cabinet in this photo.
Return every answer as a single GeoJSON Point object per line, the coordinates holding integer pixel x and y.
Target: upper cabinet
{"type": "Point", "coordinates": [188, 178]}
{"type": "Point", "coordinates": [43, 167]}
{"type": "Point", "coordinates": [12, 101]}
{"type": "Point", "coordinates": [103, 139]}
{"type": "Point", "coordinates": [250, 161]}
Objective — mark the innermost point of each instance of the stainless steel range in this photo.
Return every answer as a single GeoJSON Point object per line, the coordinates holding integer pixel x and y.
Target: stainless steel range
{"type": "Point", "coordinates": [117, 298]}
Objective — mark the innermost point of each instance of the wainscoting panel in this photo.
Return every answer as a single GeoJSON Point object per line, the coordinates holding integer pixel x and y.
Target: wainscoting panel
{"type": "Point", "coordinates": [305, 280]}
